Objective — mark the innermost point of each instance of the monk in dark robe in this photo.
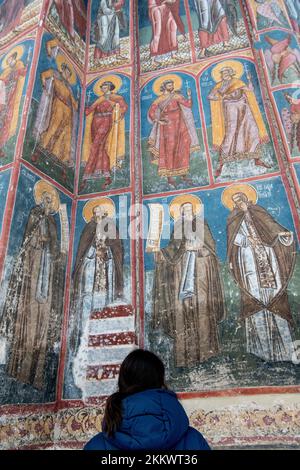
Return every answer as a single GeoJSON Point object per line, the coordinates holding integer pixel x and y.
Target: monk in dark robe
{"type": "Point", "coordinates": [261, 255]}
{"type": "Point", "coordinates": [188, 295]}
{"type": "Point", "coordinates": [98, 272]}
{"type": "Point", "coordinates": [33, 305]}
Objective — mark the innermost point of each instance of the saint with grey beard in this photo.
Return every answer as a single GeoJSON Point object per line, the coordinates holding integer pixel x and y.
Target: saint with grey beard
{"type": "Point", "coordinates": [188, 292]}
{"type": "Point", "coordinates": [34, 298]}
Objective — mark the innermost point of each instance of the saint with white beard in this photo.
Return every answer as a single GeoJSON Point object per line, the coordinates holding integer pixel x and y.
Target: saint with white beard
{"type": "Point", "coordinates": [261, 255]}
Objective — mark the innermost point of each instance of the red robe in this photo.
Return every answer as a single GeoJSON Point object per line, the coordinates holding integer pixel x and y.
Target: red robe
{"type": "Point", "coordinates": [72, 14]}
{"type": "Point", "coordinates": [99, 162]}
{"type": "Point", "coordinates": [221, 34]}
{"type": "Point", "coordinates": [174, 137]}
{"type": "Point", "coordinates": [165, 20]}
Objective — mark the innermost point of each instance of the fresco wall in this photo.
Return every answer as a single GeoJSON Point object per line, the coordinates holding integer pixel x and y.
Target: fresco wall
{"type": "Point", "coordinates": [136, 118]}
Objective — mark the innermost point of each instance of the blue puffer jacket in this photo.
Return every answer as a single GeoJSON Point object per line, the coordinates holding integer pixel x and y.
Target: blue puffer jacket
{"type": "Point", "coordinates": [152, 420]}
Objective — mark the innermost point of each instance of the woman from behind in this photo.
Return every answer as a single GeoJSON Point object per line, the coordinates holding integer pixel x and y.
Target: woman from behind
{"type": "Point", "coordinates": [143, 414]}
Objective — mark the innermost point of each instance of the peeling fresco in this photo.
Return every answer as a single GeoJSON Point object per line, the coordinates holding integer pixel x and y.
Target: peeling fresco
{"type": "Point", "coordinates": [32, 311]}
{"type": "Point", "coordinates": [52, 129]}
{"type": "Point", "coordinates": [111, 34]}
{"type": "Point", "coordinates": [120, 122]}
{"type": "Point", "coordinates": [15, 69]}
{"type": "Point", "coordinates": [67, 21]}
{"type": "Point", "coordinates": [16, 17]}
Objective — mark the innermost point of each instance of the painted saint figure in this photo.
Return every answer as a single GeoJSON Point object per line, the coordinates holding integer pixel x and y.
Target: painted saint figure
{"type": "Point", "coordinates": [188, 292]}
{"type": "Point", "coordinates": [98, 271]}
{"type": "Point", "coordinates": [291, 122]}
{"type": "Point", "coordinates": [261, 256]}
{"type": "Point", "coordinates": [10, 15]}
{"type": "Point", "coordinates": [34, 295]}
{"type": "Point", "coordinates": [56, 122]}
{"type": "Point", "coordinates": [72, 14]}
{"type": "Point", "coordinates": [12, 80]}
{"type": "Point", "coordinates": [213, 26]}
{"type": "Point", "coordinates": [282, 59]}
{"type": "Point", "coordinates": [238, 129]}
{"type": "Point", "coordinates": [111, 19]}
{"type": "Point", "coordinates": [173, 136]}
{"type": "Point", "coordinates": [166, 22]}
{"type": "Point", "coordinates": [104, 143]}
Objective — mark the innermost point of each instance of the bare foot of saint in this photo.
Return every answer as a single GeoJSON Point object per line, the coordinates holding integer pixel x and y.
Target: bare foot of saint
{"type": "Point", "coordinates": [259, 162]}
{"type": "Point", "coordinates": [156, 63]}
{"type": "Point", "coordinates": [187, 180]}
{"type": "Point", "coordinates": [219, 170]}
{"type": "Point", "coordinates": [202, 53]}
{"type": "Point", "coordinates": [82, 186]}
{"type": "Point", "coordinates": [106, 183]}
{"type": "Point", "coordinates": [176, 57]}
{"type": "Point", "coordinates": [35, 157]}
{"type": "Point", "coordinates": [171, 181]}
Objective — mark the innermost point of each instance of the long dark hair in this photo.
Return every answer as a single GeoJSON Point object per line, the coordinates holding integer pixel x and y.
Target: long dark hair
{"type": "Point", "coordinates": [141, 370]}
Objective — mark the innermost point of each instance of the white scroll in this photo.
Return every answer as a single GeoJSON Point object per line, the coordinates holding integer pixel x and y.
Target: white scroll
{"type": "Point", "coordinates": [155, 228]}
{"type": "Point", "coordinates": [65, 229]}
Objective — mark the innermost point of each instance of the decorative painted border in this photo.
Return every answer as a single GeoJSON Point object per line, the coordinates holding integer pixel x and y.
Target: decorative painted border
{"type": "Point", "coordinates": [227, 427]}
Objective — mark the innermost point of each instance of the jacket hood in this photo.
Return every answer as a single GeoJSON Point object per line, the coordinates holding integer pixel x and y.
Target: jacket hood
{"type": "Point", "coordinates": [153, 419]}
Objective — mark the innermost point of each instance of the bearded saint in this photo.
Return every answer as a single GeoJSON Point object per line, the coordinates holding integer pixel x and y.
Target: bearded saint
{"type": "Point", "coordinates": [261, 255]}
{"type": "Point", "coordinates": [56, 122]}
{"type": "Point", "coordinates": [238, 129]}
{"type": "Point", "coordinates": [12, 82]}
{"type": "Point", "coordinates": [188, 293]}
{"type": "Point", "coordinates": [98, 273]}
{"type": "Point", "coordinates": [33, 304]}
{"type": "Point", "coordinates": [173, 137]}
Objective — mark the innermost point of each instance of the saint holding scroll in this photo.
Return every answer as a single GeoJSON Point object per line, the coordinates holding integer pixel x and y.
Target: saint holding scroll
{"type": "Point", "coordinates": [188, 292]}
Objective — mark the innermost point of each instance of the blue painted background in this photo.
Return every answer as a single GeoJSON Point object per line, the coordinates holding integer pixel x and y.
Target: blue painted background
{"type": "Point", "coordinates": [148, 96]}
{"type": "Point", "coordinates": [23, 205]}
{"type": "Point", "coordinates": [126, 10]}
{"type": "Point", "coordinates": [272, 198]}
{"type": "Point", "coordinates": [120, 213]}
{"type": "Point", "coordinates": [207, 83]}
{"type": "Point", "coordinates": [4, 183]}
{"type": "Point", "coordinates": [124, 91]}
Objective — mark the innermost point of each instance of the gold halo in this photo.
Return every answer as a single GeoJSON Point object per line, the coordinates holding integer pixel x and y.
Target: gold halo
{"type": "Point", "coordinates": [247, 189]}
{"type": "Point", "coordinates": [60, 59]}
{"type": "Point", "coordinates": [235, 65]}
{"type": "Point", "coordinates": [41, 187]}
{"type": "Point", "coordinates": [87, 212]}
{"type": "Point", "coordinates": [176, 204]}
{"type": "Point", "coordinates": [175, 78]}
{"type": "Point", "coordinates": [117, 81]}
{"type": "Point", "coordinates": [18, 49]}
